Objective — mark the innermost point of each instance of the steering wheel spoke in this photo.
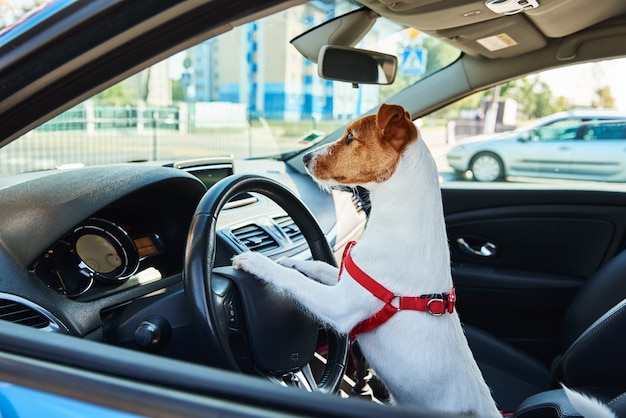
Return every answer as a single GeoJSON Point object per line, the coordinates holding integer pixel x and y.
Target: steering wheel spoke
{"type": "Point", "coordinates": [302, 378]}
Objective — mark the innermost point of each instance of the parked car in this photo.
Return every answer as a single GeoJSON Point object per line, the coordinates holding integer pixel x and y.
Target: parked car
{"type": "Point", "coordinates": [145, 143]}
{"type": "Point", "coordinates": [575, 145]}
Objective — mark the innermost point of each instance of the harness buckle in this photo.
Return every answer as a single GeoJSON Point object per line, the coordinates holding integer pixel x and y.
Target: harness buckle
{"type": "Point", "coordinates": [438, 309]}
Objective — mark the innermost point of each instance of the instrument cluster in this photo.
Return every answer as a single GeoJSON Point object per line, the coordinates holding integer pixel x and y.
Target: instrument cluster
{"type": "Point", "coordinates": [97, 251]}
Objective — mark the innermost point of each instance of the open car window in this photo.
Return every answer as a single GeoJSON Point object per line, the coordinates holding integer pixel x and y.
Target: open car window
{"type": "Point", "coordinates": [560, 127]}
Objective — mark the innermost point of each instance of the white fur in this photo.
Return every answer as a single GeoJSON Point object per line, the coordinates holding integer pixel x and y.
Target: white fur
{"type": "Point", "coordinates": [423, 360]}
{"type": "Point", "coordinates": [587, 406]}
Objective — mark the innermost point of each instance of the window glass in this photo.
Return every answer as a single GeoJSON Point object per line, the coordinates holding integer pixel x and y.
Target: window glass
{"type": "Point", "coordinates": [560, 127]}
{"type": "Point", "coordinates": [603, 131]}
{"type": "Point", "coordinates": [245, 93]}
{"type": "Point", "coordinates": [560, 130]}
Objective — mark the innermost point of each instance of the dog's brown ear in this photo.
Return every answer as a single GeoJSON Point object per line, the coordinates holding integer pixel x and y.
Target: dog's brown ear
{"type": "Point", "coordinates": [396, 124]}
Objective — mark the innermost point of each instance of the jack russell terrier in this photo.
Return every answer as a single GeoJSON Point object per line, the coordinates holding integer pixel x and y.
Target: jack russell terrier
{"type": "Point", "coordinates": [394, 289]}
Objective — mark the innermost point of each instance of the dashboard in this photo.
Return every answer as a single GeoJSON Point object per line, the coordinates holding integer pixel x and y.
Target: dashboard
{"type": "Point", "coordinates": [95, 252]}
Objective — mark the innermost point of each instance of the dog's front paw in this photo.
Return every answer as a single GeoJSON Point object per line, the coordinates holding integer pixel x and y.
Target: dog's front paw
{"type": "Point", "coordinates": [317, 270]}
{"type": "Point", "coordinates": [256, 264]}
{"type": "Point", "coordinates": [286, 262]}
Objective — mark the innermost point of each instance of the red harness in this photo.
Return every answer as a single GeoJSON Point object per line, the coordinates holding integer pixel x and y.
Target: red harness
{"type": "Point", "coordinates": [435, 305]}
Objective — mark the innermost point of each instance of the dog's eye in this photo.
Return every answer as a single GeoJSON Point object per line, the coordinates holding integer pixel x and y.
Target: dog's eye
{"type": "Point", "coordinates": [349, 138]}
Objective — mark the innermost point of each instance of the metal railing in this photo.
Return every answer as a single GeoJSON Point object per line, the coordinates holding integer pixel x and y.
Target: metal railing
{"type": "Point", "coordinates": [90, 135]}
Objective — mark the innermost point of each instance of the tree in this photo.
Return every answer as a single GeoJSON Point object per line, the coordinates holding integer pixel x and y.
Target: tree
{"type": "Point", "coordinates": [116, 95]}
{"type": "Point", "coordinates": [604, 98]}
{"type": "Point", "coordinates": [533, 95]}
{"type": "Point", "coordinates": [439, 54]}
{"type": "Point", "coordinates": [178, 91]}
{"type": "Point", "coordinates": [471, 102]}
{"type": "Point", "coordinates": [561, 103]}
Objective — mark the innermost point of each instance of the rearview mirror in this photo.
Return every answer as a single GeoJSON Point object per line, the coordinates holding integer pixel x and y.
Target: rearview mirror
{"type": "Point", "coordinates": [356, 66]}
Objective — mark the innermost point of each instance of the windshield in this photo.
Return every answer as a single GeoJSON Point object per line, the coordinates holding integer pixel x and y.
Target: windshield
{"type": "Point", "coordinates": [244, 94]}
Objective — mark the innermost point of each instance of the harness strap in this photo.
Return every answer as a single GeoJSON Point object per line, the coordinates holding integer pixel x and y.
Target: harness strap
{"type": "Point", "coordinates": [436, 304]}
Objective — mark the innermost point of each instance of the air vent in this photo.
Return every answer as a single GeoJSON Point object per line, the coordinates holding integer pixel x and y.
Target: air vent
{"type": "Point", "coordinates": [361, 200]}
{"type": "Point", "coordinates": [21, 314]}
{"type": "Point", "coordinates": [255, 238]}
{"type": "Point", "coordinates": [289, 227]}
{"type": "Point", "coordinates": [358, 204]}
{"type": "Point", "coordinates": [21, 311]}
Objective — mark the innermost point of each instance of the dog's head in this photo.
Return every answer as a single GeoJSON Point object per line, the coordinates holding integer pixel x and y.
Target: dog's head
{"type": "Point", "coordinates": [369, 151]}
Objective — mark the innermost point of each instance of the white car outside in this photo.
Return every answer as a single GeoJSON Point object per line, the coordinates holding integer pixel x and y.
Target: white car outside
{"type": "Point", "coordinates": [574, 145]}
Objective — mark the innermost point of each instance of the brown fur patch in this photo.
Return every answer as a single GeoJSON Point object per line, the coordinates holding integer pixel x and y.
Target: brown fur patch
{"type": "Point", "coordinates": [370, 149]}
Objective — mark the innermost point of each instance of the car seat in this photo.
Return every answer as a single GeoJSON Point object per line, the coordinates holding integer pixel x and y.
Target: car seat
{"type": "Point", "coordinates": [593, 342]}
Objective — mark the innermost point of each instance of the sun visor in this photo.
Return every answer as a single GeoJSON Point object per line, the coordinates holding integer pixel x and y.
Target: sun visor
{"type": "Point", "coordinates": [430, 15]}
{"type": "Point", "coordinates": [498, 38]}
{"type": "Point", "coordinates": [346, 30]}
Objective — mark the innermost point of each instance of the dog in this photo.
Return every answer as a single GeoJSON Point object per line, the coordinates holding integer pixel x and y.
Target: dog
{"type": "Point", "coordinates": [422, 356]}
{"type": "Point", "coordinates": [415, 344]}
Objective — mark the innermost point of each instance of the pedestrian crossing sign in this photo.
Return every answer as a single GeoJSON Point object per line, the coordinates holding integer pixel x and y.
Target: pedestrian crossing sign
{"type": "Point", "coordinates": [413, 61]}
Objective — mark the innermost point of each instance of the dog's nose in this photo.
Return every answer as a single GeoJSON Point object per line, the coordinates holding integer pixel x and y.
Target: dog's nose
{"type": "Point", "coordinates": [307, 158]}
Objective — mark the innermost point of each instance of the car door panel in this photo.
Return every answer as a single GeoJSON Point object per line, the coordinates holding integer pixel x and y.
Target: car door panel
{"type": "Point", "coordinates": [527, 241]}
{"type": "Point", "coordinates": [601, 150]}
{"type": "Point", "coordinates": [604, 159]}
{"type": "Point", "coordinates": [541, 157]}
{"type": "Point", "coordinates": [545, 244]}
{"type": "Point", "coordinates": [548, 150]}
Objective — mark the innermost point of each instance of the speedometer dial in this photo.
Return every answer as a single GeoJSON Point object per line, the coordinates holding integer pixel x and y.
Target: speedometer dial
{"type": "Point", "coordinates": [98, 253]}
{"type": "Point", "coordinates": [57, 268]}
{"type": "Point", "coordinates": [105, 249]}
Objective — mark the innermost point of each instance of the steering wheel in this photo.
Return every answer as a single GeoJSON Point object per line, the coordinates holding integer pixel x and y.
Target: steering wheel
{"type": "Point", "coordinates": [242, 323]}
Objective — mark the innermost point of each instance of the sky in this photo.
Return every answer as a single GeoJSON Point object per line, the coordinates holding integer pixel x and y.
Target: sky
{"type": "Point", "coordinates": [578, 83]}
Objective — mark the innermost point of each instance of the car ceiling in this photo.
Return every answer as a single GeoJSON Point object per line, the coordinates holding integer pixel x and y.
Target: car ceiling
{"type": "Point", "coordinates": [469, 24]}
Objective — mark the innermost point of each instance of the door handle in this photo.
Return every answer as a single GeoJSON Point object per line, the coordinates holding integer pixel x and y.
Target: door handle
{"type": "Point", "coordinates": [484, 249]}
